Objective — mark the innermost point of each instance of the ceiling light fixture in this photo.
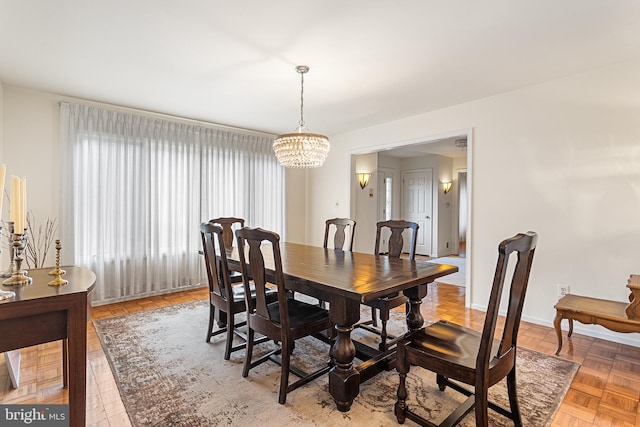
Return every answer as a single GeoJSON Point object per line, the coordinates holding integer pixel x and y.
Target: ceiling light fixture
{"type": "Point", "coordinates": [461, 143]}
{"type": "Point", "coordinates": [301, 149]}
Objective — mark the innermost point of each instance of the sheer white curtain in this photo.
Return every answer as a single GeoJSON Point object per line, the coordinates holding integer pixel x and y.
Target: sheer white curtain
{"type": "Point", "coordinates": [136, 188]}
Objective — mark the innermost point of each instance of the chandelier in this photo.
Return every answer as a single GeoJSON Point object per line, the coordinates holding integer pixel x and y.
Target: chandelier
{"type": "Point", "coordinates": [301, 149]}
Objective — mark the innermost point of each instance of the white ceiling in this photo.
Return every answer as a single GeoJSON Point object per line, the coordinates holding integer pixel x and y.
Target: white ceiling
{"type": "Point", "coordinates": [372, 61]}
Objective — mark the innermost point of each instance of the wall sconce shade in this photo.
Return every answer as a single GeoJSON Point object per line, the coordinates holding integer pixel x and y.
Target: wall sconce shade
{"type": "Point", "coordinates": [447, 187]}
{"type": "Point", "coordinates": [363, 179]}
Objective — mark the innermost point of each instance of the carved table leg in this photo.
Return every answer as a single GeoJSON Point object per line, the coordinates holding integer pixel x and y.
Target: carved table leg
{"type": "Point", "coordinates": [344, 378]}
{"type": "Point", "coordinates": [415, 320]}
{"type": "Point", "coordinates": [558, 328]}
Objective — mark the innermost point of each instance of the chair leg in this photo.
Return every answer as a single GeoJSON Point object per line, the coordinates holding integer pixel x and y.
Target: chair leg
{"type": "Point", "coordinates": [230, 328]}
{"type": "Point", "coordinates": [402, 366]}
{"type": "Point", "coordinates": [481, 406]}
{"type": "Point", "coordinates": [513, 398]}
{"type": "Point", "coordinates": [384, 317]}
{"type": "Point", "coordinates": [284, 373]}
{"type": "Point", "coordinates": [374, 317]}
{"type": "Point", "coordinates": [247, 357]}
{"type": "Point", "coordinates": [212, 314]}
{"type": "Point", "coordinates": [442, 381]}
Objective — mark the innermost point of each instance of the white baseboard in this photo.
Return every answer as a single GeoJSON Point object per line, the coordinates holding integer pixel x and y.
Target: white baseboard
{"type": "Point", "coordinates": [594, 331]}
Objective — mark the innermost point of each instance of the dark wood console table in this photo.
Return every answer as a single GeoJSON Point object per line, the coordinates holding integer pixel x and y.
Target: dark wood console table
{"type": "Point", "coordinates": [40, 313]}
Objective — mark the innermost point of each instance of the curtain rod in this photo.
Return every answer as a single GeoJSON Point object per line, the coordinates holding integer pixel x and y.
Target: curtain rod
{"type": "Point", "coordinates": [170, 116]}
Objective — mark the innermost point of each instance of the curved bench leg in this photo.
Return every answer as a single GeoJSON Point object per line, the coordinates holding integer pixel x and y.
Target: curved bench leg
{"type": "Point", "coordinates": [570, 328]}
{"type": "Point", "coordinates": [558, 329]}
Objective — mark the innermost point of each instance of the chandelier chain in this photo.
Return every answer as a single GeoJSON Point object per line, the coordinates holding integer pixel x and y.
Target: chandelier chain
{"type": "Point", "coordinates": [301, 123]}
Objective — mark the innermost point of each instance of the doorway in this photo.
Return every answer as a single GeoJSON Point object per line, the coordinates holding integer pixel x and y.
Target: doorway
{"type": "Point", "coordinates": [462, 211]}
{"type": "Point", "coordinates": [394, 158]}
{"type": "Point", "coordinates": [417, 206]}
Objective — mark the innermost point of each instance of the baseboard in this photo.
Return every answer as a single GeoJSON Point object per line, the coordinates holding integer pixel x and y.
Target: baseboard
{"type": "Point", "coordinates": [594, 331]}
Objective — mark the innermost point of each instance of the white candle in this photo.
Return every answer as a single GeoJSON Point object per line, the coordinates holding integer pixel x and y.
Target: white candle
{"type": "Point", "coordinates": [15, 195]}
{"type": "Point", "coordinates": [23, 200]}
{"type": "Point", "coordinates": [3, 172]}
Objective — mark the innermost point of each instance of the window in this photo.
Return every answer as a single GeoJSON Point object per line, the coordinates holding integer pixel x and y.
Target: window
{"type": "Point", "coordinates": [139, 187]}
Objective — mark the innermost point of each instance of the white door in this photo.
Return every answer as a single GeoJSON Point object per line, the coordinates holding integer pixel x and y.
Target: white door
{"type": "Point", "coordinates": [417, 206]}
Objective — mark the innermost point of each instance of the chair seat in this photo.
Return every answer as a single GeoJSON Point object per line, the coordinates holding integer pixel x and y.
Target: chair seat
{"type": "Point", "coordinates": [300, 313]}
{"type": "Point", "coordinates": [238, 292]}
{"type": "Point", "coordinates": [451, 342]}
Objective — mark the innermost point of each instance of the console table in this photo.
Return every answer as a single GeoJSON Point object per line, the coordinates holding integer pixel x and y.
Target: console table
{"type": "Point", "coordinates": [40, 313]}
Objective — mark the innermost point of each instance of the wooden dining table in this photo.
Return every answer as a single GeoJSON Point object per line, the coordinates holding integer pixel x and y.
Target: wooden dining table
{"type": "Point", "coordinates": [347, 279]}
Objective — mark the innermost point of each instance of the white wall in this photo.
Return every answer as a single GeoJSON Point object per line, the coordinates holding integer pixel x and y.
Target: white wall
{"type": "Point", "coordinates": [366, 202]}
{"type": "Point", "coordinates": [559, 158]}
{"type": "Point", "coordinates": [30, 149]}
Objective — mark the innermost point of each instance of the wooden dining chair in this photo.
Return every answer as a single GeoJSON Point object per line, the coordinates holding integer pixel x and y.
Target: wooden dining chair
{"type": "Point", "coordinates": [343, 227]}
{"type": "Point", "coordinates": [478, 359]}
{"type": "Point", "coordinates": [229, 225]}
{"type": "Point", "coordinates": [225, 297]}
{"type": "Point", "coordinates": [283, 321]}
{"type": "Point", "coordinates": [388, 302]}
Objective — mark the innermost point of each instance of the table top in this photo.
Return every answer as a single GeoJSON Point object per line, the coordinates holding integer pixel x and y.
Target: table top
{"type": "Point", "coordinates": [81, 280]}
{"type": "Point", "coordinates": [355, 275]}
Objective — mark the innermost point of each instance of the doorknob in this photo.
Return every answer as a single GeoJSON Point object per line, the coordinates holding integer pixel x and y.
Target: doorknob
{"type": "Point", "coordinates": [427, 217]}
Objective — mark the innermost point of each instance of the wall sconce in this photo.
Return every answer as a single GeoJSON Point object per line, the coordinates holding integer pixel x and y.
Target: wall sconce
{"type": "Point", "coordinates": [363, 179]}
{"type": "Point", "coordinates": [447, 186]}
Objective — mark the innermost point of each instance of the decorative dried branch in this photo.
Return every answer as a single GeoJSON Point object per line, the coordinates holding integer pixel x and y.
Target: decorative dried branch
{"type": "Point", "coordinates": [39, 240]}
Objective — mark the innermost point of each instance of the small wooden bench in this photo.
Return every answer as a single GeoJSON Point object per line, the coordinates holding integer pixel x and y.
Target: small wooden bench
{"type": "Point", "coordinates": [617, 316]}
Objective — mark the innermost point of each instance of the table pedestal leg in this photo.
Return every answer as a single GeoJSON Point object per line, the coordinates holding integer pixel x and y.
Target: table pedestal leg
{"type": "Point", "coordinates": [415, 320]}
{"type": "Point", "coordinates": [344, 378]}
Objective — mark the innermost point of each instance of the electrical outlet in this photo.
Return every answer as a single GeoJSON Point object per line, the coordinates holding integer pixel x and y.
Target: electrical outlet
{"type": "Point", "coordinates": [563, 290]}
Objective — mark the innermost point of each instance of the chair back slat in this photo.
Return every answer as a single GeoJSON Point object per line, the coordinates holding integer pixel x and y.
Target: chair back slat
{"type": "Point", "coordinates": [522, 248]}
{"type": "Point", "coordinates": [340, 235]}
{"type": "Point", "coordinates": [215, 263]}
{"type": "Point", "coordinates": [228, 224]}
{"type": "Point", "coordinates": [396, 241]}
{"type": "Point", "coordinates": [259, 242]}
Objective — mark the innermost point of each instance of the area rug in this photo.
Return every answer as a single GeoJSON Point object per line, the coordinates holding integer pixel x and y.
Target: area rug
{"type": "Point", "coordinates": [168, 375]}
{"type": "Point", "coordinates": [458, 278]}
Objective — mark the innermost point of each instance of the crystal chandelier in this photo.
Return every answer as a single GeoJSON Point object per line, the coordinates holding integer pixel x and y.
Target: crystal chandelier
{"type": "Point", "coordinates": [301, 149]}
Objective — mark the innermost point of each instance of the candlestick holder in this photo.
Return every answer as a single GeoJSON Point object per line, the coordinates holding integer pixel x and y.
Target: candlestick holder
{"type": "Point", "coordinates": [12, 263]}
{"type": "Point", "coordinates": [5, 294]}
{"type": "Point", "coordinates": [19, 276]}
{"type": "Point", "coordinates": [58, 272]}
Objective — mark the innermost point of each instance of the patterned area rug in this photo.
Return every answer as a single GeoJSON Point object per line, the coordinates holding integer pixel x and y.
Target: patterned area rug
{"type": "Point", "coordinates": [169, 376]}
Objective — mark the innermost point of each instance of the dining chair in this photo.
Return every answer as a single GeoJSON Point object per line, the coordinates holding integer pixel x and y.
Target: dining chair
{"type": "Point", "coordinates": [285, 320]}
{"type": "Point", "coordinates": [478, 359]}
{"type": "Point", "coordinates": [226, 297]}
{"type": "Point", "coordinates": [343, 227]}
{"type": "Point", "coordinates": [386, 303]}
{"type": "Point", "coordinates": [229, 225]}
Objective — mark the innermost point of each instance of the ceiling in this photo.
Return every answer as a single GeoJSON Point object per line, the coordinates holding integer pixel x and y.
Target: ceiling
{"type": "Point", "coordinates": [372, 61]}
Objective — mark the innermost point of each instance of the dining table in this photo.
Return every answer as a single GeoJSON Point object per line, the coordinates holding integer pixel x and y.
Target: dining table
{"type": "Point", "coordinates": [347, 279]}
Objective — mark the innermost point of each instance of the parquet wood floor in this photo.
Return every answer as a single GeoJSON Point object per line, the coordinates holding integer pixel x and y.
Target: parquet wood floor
{"type": "Point", "coordinates": [605, 391]}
